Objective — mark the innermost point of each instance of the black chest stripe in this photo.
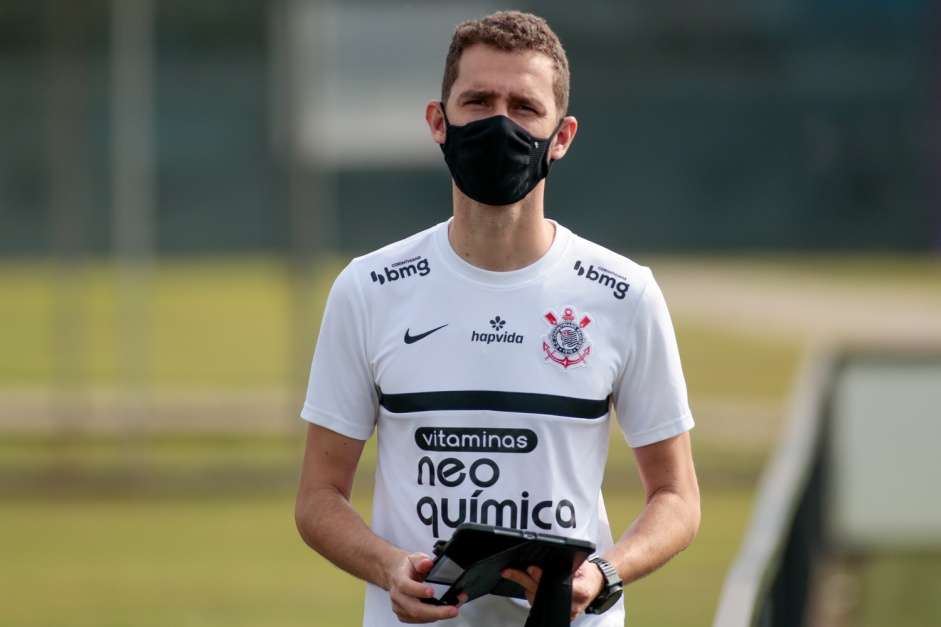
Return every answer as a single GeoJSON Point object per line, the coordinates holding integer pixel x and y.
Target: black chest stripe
{"type": "Point", "coordinates": [518, 402]}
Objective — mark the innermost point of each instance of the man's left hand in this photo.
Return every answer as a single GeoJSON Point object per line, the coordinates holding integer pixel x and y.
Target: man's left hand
{"type": "Point", "coordinates": [586, 584]}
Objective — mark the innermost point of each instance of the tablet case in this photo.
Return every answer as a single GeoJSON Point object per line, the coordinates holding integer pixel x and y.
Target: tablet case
{"type": "Point", "coordinates": [472, 561]}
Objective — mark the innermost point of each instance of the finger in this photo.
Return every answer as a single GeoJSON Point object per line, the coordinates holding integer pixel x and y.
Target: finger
{"type": "Point", "coordinates": [421, 563]}
{"type": "Point", "coordinates": [410, 609]}
{"type": "Point", "coordinates": [414, 611]}
{"type": "Point", "coordinates": [523, 579]}
{"type": "Point", "coordinates": [535, 572]}
{"type": "Point", "coordinates": [409, 580]}
{"type": "Point", "coordinates": [529, 584]}
{"type": "Point", "coordinates": [414, 589]}
{"type": "Point", "coordinates": [585, 586]}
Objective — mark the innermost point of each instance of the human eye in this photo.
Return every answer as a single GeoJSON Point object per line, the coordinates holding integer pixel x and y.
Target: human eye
{"type": "Point", "coordinates": [476, 101]}
{"type": "Point", "coordinates": [527, 108]}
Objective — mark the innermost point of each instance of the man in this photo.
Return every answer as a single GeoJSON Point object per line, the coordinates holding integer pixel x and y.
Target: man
{"type": "Point", "coordinates": [487, 351]}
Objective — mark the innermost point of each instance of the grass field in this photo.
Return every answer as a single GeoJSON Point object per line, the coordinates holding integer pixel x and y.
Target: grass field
{"type": "Point", "coordinates": [902, 590]}
{"type": "Point", "coordinates": [149, 527]}
{"type": "Point", "coordinates": [151, 550]}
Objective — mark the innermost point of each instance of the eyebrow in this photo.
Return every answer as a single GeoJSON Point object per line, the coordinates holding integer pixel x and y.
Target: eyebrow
{"type": "Point", "coordinates": [485, 94]}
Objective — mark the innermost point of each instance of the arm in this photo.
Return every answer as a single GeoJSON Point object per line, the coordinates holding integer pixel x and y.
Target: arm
{"type": "Point", "coordinates": [666, 526]}
{"type": "Point", "coordinates": [328, 523]}
{"type": "Point", "coordinates": [670, 518]}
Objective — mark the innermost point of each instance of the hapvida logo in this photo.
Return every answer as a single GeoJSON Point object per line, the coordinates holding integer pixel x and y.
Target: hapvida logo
{"type": "Point", "coordinates": [599, 276]}
{"type": "Point", "coordinates": [497, 323]}
{"type": "Point", "coordinates": [402, 270]}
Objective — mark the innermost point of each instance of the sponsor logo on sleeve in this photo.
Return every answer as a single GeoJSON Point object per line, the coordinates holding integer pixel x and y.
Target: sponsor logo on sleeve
{"type": "Point", "coordinates": [604, 277]}
{"type": "Point", "coordinates": [405, 269]}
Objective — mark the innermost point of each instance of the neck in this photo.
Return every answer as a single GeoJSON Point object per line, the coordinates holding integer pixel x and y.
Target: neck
{"type": "Point", "coordinates": [500, 239]}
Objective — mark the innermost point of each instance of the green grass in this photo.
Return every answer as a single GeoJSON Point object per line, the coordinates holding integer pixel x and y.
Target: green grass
{"type": "Point", "coordinates": [174, 561]}
{"type": "Point", "coordinates": [135, 530]}
{"type": "Point", "coordinates": [162, 466]}
{"type": "Point", "coordinates": [238, 561]}
{"type": "Point", "coordinates": [231, 323]}
{"type": "Point", "coordinates": [902, 590]}
{"type": "Point", "coordinates": [183, 531]}
{"type": "Point", "coordinates": [721, 363]}
{"type": "Point", "coordinates": [212, 322]}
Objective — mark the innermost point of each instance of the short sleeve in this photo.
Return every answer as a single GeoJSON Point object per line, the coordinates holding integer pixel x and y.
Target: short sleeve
{"type": "Point", "coordinates": [650, 396]}
{"type": "Point", "coordinates": [341, 393]}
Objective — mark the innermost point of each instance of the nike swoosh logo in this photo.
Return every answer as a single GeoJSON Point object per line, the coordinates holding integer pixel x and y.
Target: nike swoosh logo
{"type": "Point", "coordinates": [411, 339]}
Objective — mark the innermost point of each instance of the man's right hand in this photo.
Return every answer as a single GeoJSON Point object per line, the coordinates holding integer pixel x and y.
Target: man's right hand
{"type": "Point", "coordinates": [406, 590]}
{"type": "Point", "coordinates": [329, 525]}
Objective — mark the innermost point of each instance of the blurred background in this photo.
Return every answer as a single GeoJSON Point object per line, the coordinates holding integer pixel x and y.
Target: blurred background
{"type": "Point", "coordinates": [180, 182]}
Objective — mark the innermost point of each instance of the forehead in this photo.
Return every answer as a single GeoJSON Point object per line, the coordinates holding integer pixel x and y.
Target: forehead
{"type": "Point", "coordinates": [484, 67]}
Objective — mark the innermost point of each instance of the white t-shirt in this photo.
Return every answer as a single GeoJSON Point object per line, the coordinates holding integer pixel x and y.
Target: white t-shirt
{"type": "Point", "coordinates": [491, 392]}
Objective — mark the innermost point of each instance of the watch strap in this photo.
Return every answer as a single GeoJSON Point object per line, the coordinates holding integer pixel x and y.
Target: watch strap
{"type": "Point", "coordinates": [610, 592]}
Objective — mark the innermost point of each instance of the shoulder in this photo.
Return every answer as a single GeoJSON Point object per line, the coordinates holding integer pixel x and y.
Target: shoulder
{"type": "Point", "coordinates": [592, 262]}
{"type": "Point", "coordinates": [397, 261]}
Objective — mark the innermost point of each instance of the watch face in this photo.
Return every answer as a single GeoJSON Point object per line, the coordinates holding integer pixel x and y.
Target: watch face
{"type": "Point", "coordinates": [612, 590]}
{"type": "Point", "coordinates": [610, 600]}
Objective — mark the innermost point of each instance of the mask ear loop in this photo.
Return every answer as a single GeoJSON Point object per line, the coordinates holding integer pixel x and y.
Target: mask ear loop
{"type": "Point", "coordinates": [551, 137]}
{"type": "Point", "coordinates": [448, 122]}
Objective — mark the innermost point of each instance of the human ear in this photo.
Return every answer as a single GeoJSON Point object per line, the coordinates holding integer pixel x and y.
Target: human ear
{"type": "Point", "coordinates": [434, 116]}
{"type": "Point", "coordinates": [563, 138]}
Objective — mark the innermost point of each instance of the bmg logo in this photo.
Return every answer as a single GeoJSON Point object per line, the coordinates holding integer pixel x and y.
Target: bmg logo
{"type": "Point", "coordinates": [402, 270]}
{"type": "Point", "coordinates": [619, 288]}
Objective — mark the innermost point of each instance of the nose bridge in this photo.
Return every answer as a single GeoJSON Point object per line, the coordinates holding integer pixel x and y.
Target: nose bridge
{"type": "Point", "coordinates": [502, 106]}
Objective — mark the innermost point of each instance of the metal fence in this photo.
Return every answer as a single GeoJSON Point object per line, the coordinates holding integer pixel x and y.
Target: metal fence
{"type": "Point", "coordinates": [769, 583]}
{"type": "Point", "coordinates": [816, 503]}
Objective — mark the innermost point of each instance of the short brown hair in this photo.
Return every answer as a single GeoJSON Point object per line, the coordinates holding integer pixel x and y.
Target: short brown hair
{"type": "Point", "coordinates": [510, 31]}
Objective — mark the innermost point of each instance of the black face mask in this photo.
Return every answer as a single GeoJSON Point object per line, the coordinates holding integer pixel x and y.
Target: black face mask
{"type": "Point", "coordinates": [495, 161]}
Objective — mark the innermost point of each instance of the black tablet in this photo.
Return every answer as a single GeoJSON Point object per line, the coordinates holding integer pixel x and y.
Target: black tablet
{"type": "Point", "coordinates": [472, 561]}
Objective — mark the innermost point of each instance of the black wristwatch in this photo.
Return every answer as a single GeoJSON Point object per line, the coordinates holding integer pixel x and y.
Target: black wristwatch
{"type": "Point", "coordinates": [611, 591]}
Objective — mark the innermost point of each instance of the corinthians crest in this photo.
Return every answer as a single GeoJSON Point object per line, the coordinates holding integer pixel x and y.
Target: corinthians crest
{"type": "Point", "coordinates": [567, 343]}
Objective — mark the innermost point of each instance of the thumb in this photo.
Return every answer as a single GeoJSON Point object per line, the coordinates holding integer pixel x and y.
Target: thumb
{"type": "Point", "coordinates": [421, 563]}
